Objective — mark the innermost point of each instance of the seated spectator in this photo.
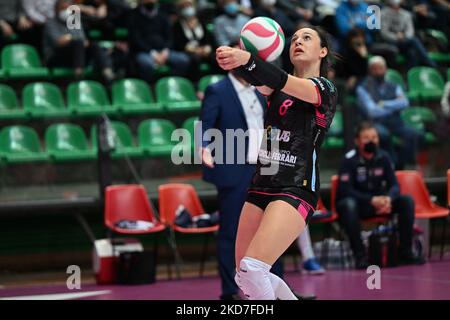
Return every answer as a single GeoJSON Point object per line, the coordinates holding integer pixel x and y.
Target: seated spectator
{"type": "Point", "coordinates": [104, 15]}
{"type": "Point", "coordinates": [191, 36]}
{"type": "Point", "coordinates": [151, 42]}
{"type": "Point", "coordinates": [38, 12]}
{"type": "Point", "coordinates": [267, 8]}
{"type": "Point", "coordinates": [423, 16]}
{"type": "Point", "coordinates": [14, 24]}
{"type": "Point", "coordinates": [297, 11]}
{"type": "Point", "coordinates": [227, 26]}
{"type": "Point", "coordinates": [398, 29]}
{"type": "Point", "coordinates": [382, 101]}
{"type": "Point", "coordinates": [442, 10]}
{"type": "Point", "coordinates": [368, 187]}
{"type": "Point", "coordinates": [353, 65]}
{"type": "Point", "coordinates": [69, 47]}
{"type": "Point", "coordinates": [352, 14]}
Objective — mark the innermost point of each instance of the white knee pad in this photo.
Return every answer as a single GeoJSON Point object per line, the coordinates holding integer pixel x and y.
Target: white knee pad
{"type": "Point", "coordinates": [254, 279]}
{"type": "Point", "coordinates": [237, 279]}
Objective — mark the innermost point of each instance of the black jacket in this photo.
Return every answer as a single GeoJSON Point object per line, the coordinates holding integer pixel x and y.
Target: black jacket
{"type": "Point", "coordinates": [148, 33]}
{"type": "Point", "coordinates": [362, 179]}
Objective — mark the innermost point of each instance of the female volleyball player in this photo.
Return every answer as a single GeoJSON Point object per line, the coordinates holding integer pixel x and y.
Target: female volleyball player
{"type": "Point", "coordinates": [300, 109]}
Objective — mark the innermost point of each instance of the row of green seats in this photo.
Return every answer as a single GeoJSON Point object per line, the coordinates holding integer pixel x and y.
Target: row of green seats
{"type": "Point", "coordinates": [68, 142]}
{"type": "Point", "coordinates": [415, 117]}
{"type": "Point", "coordinates": [90, 98]}
{"type": "Point", "coordinates": [22, 61]}
{"type": "Point", "coordinates": [424, 83]}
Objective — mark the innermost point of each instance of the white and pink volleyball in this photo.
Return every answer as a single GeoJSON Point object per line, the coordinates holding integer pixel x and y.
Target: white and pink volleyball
{"type": "Point", "coordinates": [264, 37]}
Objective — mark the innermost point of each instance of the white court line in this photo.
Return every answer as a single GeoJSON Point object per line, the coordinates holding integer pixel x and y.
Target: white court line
{"type": "Point", "coordinates": [59, 296]}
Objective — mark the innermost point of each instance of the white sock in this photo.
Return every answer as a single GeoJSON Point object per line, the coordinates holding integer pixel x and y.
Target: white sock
{"type": "Point", "coordinates": [304, 244]}
{"type": "Point", "coordinates": [281, 289]}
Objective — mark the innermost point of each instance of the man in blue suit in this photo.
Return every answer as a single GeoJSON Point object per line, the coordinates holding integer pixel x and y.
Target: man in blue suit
{"type": "Point", "coordinates": [231, 104]}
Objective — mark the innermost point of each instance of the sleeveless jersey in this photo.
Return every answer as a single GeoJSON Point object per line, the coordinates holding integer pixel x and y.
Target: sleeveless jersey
{"type": "Point", "coordinates": [294, 132]}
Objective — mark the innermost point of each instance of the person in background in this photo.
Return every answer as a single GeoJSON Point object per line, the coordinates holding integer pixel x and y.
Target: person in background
{"type": "Point", "coordinates": [353, 65]}
{"type": "Point", "coordinates": [310, 264]}
{"type": "Point", "coordinates": [14, 23]}
{"type": "Point", "coordinates": [397, 28]}
{"type": "Point", "coordinates": [192, 37]}
{"type": "Point", "coordinates": [227, 26]}
{"type": "Point", "coordinates": [368, 187]}
{"type": "Point", "coordinates": [382, 101]}
{"type": "Point", "coordinates": [268, 8]}
{"type": "Point", "coordinates": [38, 12]}
{"type": "Point", "coordinates": [352, 14]}
{"type": "Point", "coordinates": [69, 47]}
{"type": "Point", "coordinates": [151, 42]}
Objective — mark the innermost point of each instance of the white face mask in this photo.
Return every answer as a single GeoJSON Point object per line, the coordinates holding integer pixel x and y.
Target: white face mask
{"type": "Point", "coordinates": [396, 2]}
{"type": "Point", "coordinates": [63, 15]}
{"type": "Point", "coordinates": [268, 2]}
{"type": "Point", "coordinates": [188, 12]}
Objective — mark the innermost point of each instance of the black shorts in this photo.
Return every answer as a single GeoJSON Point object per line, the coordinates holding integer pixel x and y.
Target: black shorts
{"type": "Point", "coordinates": [262, 199]}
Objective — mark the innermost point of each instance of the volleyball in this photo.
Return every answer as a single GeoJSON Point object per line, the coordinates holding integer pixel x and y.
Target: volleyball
{"type": "Point", "coordinates": [264, 37]}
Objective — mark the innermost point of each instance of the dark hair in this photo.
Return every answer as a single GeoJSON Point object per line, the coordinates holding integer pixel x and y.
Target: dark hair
{"type": "Point", "coordinates": [365, 125]}
{"type": "Point", "coordinates": [326, 62]}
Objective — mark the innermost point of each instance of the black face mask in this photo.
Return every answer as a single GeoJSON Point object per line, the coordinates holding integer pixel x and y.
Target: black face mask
{"type": "Point", "coordinates": [370, 147]}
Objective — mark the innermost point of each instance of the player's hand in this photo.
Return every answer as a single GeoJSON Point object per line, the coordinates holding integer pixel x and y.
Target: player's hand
{"type": "Point", "coordinates": [230, 58]}
{"type": "Point", "coordinates": [207, 158]}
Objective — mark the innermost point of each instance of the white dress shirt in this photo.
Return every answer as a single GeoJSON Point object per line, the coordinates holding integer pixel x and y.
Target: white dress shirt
{"type": "Point", "coordinates": [254, 115]}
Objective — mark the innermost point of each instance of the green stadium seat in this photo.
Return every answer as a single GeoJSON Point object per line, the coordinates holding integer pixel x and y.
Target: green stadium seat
{"type": "Point", "coordinates": [440, 36]}
{"type": "Point", "coordinates": [42, 99]}
{"type": "Point", "coordinates": [133, 96]}
{"type": "Point", "coordinates": [426, 82]}
{"type": "Point", "coordinates": [334, 138]}
{"type": "Point", "coordinates": [70, 72]}
{"type": "Point", "coordinates": [120, 140]}
{"type": "Point", "coordinates": [395, 77]}
{"type": "Point", "coordinates": [20, 144]}
{"type": "Point", "coordinates": [177, 94]}
{"type": "Point", "coordinates": [9, 107]}
{"type": "Point", "coordinates": [121, 33]}
{"type": "Point", "coordinates": [67, 142]}
{"type": "Point", "coordinates": [205, 81]}
{"type": "Point", "coordinates": [88, 98]}
{"type": "Point", "coordinates": [22, 61]}
{"type": "Point", "coordinates": [155, 137]}
{"type": "Point", "coordinates": [418, 117]}
{"type": "Point", "coordinates": [95, 34]}
{"type": "Point", "coordinates": [189, 124]}
{"type": "Point", "coordinates": [161, 71]}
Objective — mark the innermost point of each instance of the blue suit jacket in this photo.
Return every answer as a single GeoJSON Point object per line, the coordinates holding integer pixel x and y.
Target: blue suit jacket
{"type": "Point", "coordinates": [222, 109]}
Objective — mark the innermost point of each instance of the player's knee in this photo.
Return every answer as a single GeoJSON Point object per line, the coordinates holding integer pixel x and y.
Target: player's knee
{"type": "Point", "coordinates": [253, 279]}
